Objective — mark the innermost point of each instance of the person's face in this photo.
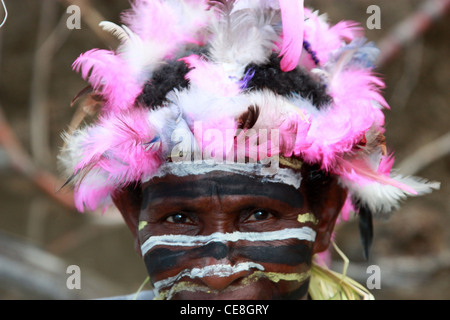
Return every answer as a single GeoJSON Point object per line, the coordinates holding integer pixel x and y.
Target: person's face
{"type": "Point", "coordinates": [231, 236]}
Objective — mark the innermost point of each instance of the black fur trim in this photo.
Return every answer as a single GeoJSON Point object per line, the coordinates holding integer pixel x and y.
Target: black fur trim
{"type": "Point", "coordinates": [271, 77]}
{"type": "Point", "coordinates": [172, 74]}
{"type": "Point", "coordinates": [165, 79]}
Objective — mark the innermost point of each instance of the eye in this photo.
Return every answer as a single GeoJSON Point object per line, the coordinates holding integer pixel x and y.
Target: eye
{"type": "Point", "coordinates": [259, 215]}
{"type": "Point", "coordinates": [179, 218]}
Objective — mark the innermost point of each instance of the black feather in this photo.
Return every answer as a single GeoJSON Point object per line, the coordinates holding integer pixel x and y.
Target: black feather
{"type": "Point", "coordinates": [365, 230]}
{"type": "Point", "coordinates": [69, 180]}
{"type": "Point", "coordinates": [248, 119]}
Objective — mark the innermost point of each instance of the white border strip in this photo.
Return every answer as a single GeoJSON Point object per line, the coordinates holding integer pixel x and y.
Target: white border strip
{"type": "Point", "coordinates": [303, 233]}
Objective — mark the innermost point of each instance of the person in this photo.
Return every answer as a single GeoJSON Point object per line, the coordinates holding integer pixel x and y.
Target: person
{"type": "Point", "coordinates": [232, 137]}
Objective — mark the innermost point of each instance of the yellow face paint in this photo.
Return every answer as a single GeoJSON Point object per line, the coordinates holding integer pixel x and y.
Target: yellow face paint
{"type": "Point", "coordinates": [142, 225]}
{"type": "Point", "coordinates": [290, 162]}
{"type": "Point", "coordinates": [181, 286]}
{"type": "Point", "coordinates": [307, 217]}
{"type": "Point", "coordinates": [277, 276]}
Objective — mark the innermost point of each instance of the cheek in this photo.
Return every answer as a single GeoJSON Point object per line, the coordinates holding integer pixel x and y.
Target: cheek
{"type": "Point", "coordinates": [287, 266]}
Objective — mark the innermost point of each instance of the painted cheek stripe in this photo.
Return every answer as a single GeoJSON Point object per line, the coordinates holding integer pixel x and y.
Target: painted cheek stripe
{"type": "Point", "coordinates": [160, 259]}
{"type": "Point", "coordinates": [307, 217]}
{"type": "Point", "coordinates": [304, 233]}
{"type": "Point", "coordinates": [142, 225]}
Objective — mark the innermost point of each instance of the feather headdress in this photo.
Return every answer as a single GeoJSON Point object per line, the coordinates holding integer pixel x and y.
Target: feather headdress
{"type": "Point", "coordinates": [235, 66]}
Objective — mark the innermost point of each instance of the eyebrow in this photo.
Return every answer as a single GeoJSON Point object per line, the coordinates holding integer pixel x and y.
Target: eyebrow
{"type": "Point", "coordinates": [225, 185]}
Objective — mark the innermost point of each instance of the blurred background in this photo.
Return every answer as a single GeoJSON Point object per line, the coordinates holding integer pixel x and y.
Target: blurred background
{"type": "Point", "coordinates": [41, 234]}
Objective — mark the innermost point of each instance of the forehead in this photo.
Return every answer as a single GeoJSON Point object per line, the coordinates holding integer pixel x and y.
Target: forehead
{"type": "Point", "coordinates": [220, 183]}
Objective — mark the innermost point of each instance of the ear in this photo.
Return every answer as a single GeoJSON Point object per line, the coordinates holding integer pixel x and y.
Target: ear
{"type": "Point", "coordinates": [128, 201]}
{"type": "Point", "coordinates": [331, 206]}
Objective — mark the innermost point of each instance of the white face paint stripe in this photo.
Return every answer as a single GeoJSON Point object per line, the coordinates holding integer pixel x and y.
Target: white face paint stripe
{"type": "Point", "coordinates": [218, 270]}
{"type": "Point", "coordinates": [277, 175]}
{"type": "Point", "coordinates": [304, 233]}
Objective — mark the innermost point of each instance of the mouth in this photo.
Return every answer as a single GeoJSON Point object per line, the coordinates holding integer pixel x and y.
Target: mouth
{"type": "Point", "coordinates": [254, 284]}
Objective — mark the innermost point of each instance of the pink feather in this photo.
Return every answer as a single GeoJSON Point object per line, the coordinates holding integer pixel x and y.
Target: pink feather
{"type": "Point", "coordinates": [216, 137]}
{"type": "Point", "coordinates": [258, 144]}
{"type": "Point", "coordinates": [352, 113]}
{"type": "Point", "coordinates": [210, 77]}
{"type": "Point", "coordinates": [386, 165]}
{"type": "Point", "coordinates": [292, 16]}
{"type": "Point", "coordinates": [294, 133]}
{"type": "Point", "coordinates": [347, 208]}
{"type": "Point", "coordinates": [118, 146]}
{"type": "Point", "coordinates": [357, 84]}
{"type": "Point", "coordinates": [88, 197]}
{"type": "Point", "coordinates": [347, 30]}
{"type": "Point", "coordinates": [150, 19]}
{"type": "Point", "coordinates": [167, 22]}
{"type": "Point", "coordinates": [108, 73]}
{"type": "Point", "coordinates": [359, 171]}
{"type": "Point", "coordinates": [325, 39]}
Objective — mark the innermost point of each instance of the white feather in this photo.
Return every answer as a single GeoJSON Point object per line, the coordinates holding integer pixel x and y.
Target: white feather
{"type": "Point", "coordinates": [276, 109]}
{"type": "Point", "coordinates": [382, 199]}
{"type": "Point", "coordinates": [115, 30]}
{"type": "Point", "coordinates": [185, 145]}
{"type": "Point", "coordinates": [197, 104]}
{"type": "Point", "coordinates": [246, 36]}
{"type": "Point", "coordinates": [72, 152]}
{"type": "Point", "coordinates": [142, 56]}
{"type": "Point", "coordinates": [164, 121]}
{"type": "Point", "coordinates": [253, 4]}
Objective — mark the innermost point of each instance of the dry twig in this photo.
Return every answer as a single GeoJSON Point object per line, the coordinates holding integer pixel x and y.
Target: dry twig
{"type": "Point", "coordinates": [426, 154]}
{"type": "Point", "coordinates": [23, 163]}
{"type": "Point", "coordinates": [411, 28]}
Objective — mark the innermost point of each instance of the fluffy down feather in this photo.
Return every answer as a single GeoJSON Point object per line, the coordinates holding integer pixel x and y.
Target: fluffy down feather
{"type": "Point", "coordinates": [242, 37]}
{"type": "Point", "coordinates": [211, 77]}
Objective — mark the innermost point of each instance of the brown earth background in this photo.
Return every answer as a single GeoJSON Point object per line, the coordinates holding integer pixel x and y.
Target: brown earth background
{"type": "Point", "coordinates": [40, 237]}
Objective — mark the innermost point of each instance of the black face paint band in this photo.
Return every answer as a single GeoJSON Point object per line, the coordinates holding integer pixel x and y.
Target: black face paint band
{"type": "Point", "coordinates": [226, 185]}
{"type": "Point", "coordinates": [161, 259]}
{"type": "Point", "coordinates": [298, 293]}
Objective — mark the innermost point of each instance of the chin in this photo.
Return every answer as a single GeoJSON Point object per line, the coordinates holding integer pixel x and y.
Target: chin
{"type": "Point", "coordinates": [262, 289]}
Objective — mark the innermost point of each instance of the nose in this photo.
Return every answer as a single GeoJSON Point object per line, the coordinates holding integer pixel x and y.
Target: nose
{"type": "Point", "coordinates": [223, 276]}
{"type": "Point", "coordinates": [220, 269]}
